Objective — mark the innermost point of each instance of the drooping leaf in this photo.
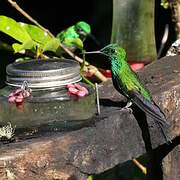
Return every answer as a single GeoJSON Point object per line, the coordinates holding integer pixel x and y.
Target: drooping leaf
{"type": "Point", "coordinates": [28, 45]}
{"type": "Point", "coordinates": [16, 47]}
{"type": "Point", "coordinates": [76, 42]}
{"type": "Point", "coordinates": [53, 46]}
{"type": "Point", "coordinates": [10, 27]}
{"type": "Point", "coordinates": [36, 33]}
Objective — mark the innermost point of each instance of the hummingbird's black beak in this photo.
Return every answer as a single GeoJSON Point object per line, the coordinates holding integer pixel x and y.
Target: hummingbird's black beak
{"type": "Point", "coordinates": [93, 52]}
{"type": "Point", "coordinates": [94, 39]}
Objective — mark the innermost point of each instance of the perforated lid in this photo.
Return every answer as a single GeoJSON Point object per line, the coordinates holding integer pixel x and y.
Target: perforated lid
{"type": "Point", "coordinates": [43, 73]}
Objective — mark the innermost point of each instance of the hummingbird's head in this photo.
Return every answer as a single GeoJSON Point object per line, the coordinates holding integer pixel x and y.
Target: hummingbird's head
{"type": "Point", "coordinates": [113, 51]}
{"type": "Point", "coordinates": [83, 29]}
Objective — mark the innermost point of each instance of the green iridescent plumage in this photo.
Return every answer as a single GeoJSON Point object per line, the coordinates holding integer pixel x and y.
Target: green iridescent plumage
{"type": "Point", "coordinates": [128, 83]}
{"type": "Point", "coordinates": [75, 34]}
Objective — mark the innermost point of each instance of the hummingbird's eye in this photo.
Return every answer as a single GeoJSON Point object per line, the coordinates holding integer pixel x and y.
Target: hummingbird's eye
{"type": "Point", "coordinates": [113, 51]}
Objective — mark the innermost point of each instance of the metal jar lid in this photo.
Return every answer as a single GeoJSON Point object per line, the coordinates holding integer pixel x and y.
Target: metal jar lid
{"type": "Point", "coordinates": [43, 73]}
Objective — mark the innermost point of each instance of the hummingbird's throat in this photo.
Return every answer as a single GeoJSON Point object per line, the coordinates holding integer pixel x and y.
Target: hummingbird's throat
{"type": "Point", "coordinates": [115, 66]}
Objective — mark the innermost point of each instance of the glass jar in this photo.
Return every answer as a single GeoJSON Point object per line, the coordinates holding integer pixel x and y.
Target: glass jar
{"type": "Point", "coordinates": [49, 105]}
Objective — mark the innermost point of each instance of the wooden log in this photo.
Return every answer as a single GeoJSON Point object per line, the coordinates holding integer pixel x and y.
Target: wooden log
{"type": "Point", "coordinates": [112, 138]}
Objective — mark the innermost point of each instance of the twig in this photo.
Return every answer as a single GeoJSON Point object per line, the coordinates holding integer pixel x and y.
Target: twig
{"type": "Point", "coordinates": [87, 68]}
{"type": "Point", "coordinates": [97, 99]}
{"type": "Point", "coordinates": [140, 166]}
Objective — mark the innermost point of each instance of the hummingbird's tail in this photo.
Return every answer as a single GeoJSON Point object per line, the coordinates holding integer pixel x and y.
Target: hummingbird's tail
{"type": "Point", "coordinates": [153, 111]}
{"type": "Point", "coordinates": [160, 127]}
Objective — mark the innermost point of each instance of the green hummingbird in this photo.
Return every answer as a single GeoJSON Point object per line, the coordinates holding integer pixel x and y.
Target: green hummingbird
{"type": "Point", "coordinates": [128, 84]}
{"type": "Point", "coordinates": [75, 35]}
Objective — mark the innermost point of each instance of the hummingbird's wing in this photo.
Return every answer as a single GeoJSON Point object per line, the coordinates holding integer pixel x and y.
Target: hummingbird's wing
{"type": "Point", "coordinates": [140, 96]}
{"type": "Point", "coordinates": [118, 86]}
{"type": "Point", "coordinates": [148, 106]}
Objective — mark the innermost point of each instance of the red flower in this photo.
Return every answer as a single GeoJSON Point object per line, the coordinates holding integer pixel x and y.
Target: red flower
{"type": "Point", "coordinates": [18, 97]}
{"type": "Point", "coordinates": [77, 89]}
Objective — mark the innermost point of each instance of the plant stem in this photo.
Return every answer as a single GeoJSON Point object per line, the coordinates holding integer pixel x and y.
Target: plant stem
{"type": "Point", "coordinates": [140, 166]}
{"type": "Point", "coordinates": [82, 69]}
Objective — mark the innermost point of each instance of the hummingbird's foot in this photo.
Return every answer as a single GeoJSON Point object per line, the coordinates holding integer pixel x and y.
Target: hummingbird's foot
{"type": "Point", "coordinates": [127, 107]}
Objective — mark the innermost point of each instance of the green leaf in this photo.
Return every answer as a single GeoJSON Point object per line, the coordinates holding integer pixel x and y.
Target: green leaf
{"type": "Point", "coordinates": [36, 33]}
{"type": "Point", "coordinates": [22, 59]}
{"type": "Point", "coordinates": [17, 47]}
{"type": "Point", "coordinates": [165, 4]}
{"type": "Point", "coordinates": [10, 27]}
{"type": "Point", "coordinates": [89, 178]}
{"type": "Point", "coordinates": [28, 45]}
{"type": "Point", "coordinates": [78, 43]}
{"type": "Point", "coordinates": [74, 42]}
{"type": "Point", "coordinates": [53, 45]}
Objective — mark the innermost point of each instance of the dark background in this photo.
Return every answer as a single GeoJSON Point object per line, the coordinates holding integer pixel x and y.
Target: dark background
{"type": "Point", "coordinates": [57, 15]}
